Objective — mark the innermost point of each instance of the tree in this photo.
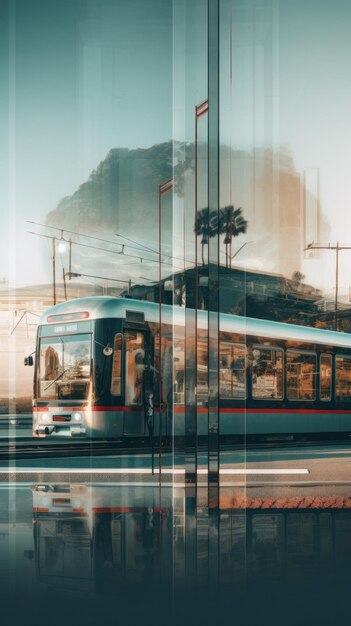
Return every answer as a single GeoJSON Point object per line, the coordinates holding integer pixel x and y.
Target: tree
{"type": "Point", "coordinates": [206, 227]}
{"type": "Point", "coordinates": [231, 224]}
{"type": "Point", "coordinates": [297, 278]}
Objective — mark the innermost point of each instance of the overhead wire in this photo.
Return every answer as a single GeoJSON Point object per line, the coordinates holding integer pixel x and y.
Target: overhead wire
{"type": "Point", "coordinates": [119, 253]}
{"type": "Point", "coordinates": [113, 243]}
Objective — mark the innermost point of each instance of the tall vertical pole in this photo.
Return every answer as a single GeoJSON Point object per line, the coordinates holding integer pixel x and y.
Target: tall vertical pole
{"type": "Point", "coordinates": [70, 259]}
{"type": "Point", "coordinates": [54, 269]}
{"type": "Point", "coordinates": [160, 333]}
{"type": "Point", "coordinates": [214, 296]}
{"type": "Point", "coordinates": [336, 284]}
{"type": "Point", "coordinates": [214, 259]}
{"type": "Point", "coordinates": [191, 419]}
{"type": "Point", "coordinates": [64, 282]}
{"type": "Point", "coordinates": [162, 189]}
{"type": "Point", "coordinates": [196, 298]}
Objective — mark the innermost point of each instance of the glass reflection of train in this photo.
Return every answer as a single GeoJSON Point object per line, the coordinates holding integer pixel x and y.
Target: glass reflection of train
{"type": "Point", "coordinates": [98, 368]}
{"type": "Point", "coordinates": [104, 538]}
{"type": "Point", "coordinates": [94, 537]}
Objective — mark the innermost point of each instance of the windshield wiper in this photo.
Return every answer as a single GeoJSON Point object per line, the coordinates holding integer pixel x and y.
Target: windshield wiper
{"type": "Point", "coordinates": [54, 381]}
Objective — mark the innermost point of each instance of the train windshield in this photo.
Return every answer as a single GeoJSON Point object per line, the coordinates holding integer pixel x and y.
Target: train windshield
{"type": "Point", "coordinates": [64, 367]}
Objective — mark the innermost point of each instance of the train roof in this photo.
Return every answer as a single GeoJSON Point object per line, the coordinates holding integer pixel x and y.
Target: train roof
{"type": "Point", "coordinates": [100, 307]}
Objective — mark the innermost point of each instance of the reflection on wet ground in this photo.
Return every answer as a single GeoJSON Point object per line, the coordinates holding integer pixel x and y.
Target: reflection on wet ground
{"type": "Point", "coordinates": [82, 552]}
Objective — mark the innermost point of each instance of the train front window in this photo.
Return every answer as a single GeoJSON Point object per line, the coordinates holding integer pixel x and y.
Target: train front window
{"type": "Point", "coordinates": [342, 378]}
{"type": "Point", "coordinates": [267, 373]}
{"type": "Point", "coordinates": [64, 367]}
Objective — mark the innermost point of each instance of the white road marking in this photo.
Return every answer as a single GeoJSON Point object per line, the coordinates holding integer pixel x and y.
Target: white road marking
{"type": "Point", "coordinates": [135, 470]}
{"type": "Point", "coordinates": [262, 471]}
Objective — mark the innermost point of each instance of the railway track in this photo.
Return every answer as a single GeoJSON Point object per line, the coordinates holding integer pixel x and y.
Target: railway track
{"type": "Point", "coordinates": [26, 448]}
{"type": "Point", "coordinates": [30, 448]}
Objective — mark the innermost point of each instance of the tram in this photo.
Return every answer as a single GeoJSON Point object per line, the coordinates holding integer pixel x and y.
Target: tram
{"type": "Point", "coordinates": [104, 369]}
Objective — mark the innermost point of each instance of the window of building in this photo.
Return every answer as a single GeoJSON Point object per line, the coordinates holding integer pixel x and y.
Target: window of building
{"type": "Point", "coordinates": [232, 370]}
{"type": "Point", "coordinates": [267, 373]}
{"type": "Point", "coordinates": [342, 378]}
{"type": "Point", "coordinates": [325, 378]}
{"type": "Point", "coordinates": [301, 369]}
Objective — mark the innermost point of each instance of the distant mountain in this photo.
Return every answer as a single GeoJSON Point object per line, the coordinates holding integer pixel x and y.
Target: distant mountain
{"type": "Point", "coordinates": [122, 193]}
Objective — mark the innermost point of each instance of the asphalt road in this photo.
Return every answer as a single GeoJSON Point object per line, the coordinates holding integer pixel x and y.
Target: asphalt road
{"type": "Point", "coordinates": [297, 469]}
{"type": "Point", "coordinates": [16, 425]}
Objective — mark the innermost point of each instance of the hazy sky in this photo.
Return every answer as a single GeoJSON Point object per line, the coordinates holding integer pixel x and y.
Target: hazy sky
{"type": "Point", "coordinates": [315, 104]}
{"type": "Point", "coordinates": [78, 77]}
{"type": "Point", "coordinates": [292, 91]}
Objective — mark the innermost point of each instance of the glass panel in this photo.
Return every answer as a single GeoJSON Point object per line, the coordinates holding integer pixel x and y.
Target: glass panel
{"type": "Point", "coordinates": [202, 366]}
{"type": "Point", "coordinates": [64, 367]}
{"type": "Point", "coordinates": [232, 370]}
{"type": "Point", "coordinates": [116, 380]}
{"type": "Point", "coordinates": [342, 378]}
{"type": "Point", "coordinates": [267, 542]}
{"type": "Point", "coordinates": [134, 369]}
{"type": "Point", "coordinates": [301, 375]}
{"type": "Point", "coordinates": [179, 372]}
{"type": "Point", "coordinates": [325, 379]}
{"type": "Point", "coordinates": [267, 373]}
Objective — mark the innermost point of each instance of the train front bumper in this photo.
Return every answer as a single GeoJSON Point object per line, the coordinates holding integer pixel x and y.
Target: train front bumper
{"type": "Point", "coordinates": [53, 429]}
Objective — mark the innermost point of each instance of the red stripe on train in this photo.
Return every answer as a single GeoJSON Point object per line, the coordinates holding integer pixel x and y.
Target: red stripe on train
{"type": "Point", "coordinates": [181, 409]}
{"type": "Point", "coordinates": [297, 410]}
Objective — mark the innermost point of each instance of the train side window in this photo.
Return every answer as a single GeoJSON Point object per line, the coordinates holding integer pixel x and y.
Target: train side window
{"type": "Point", "coordinates": [232, 376]}
{"type": "Point", "coordinates": [301, 369]}
{"type": "Point", "coordinates": [116, 378]}
{"type": "Point", "coordinates": [134, 367]}
{"type": "Point", "coordinates": [325, 378]}
{"type": "Point", "coordinates": [342, 378]}
{"type": "Point", "coordinates": [267, 373]}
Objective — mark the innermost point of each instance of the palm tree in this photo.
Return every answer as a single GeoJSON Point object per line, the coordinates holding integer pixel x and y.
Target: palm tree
{"type": "Point", "coordinates": [206, 227]}
{"type": "Point", "coordinates": [231, 224]}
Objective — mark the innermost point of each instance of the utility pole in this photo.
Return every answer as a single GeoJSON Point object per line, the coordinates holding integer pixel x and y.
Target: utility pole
{"type": "Point", "coordinates": [63, 242]}
{"type": "Point", "coordinates": [54, 268]}
{"type": "Point", "coordinates": [336, 248]}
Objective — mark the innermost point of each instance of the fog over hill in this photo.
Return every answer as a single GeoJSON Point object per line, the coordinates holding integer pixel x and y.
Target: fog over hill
{"type": "Point", "coordinates": [121, 195]}
{"type": "Point", "coordinates": [122, 192]}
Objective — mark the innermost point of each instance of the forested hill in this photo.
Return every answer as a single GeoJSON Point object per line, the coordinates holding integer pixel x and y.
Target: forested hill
{"type": "Point", "coordinates": [122, 192]}
{"type": "Point", "coordinates": [121, 196]}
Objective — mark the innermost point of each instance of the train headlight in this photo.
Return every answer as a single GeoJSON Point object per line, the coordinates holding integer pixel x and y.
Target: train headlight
{"type": "Point", "coordinates": [77, 417]}
{"type": "Point", "coordinates": [44, 417]}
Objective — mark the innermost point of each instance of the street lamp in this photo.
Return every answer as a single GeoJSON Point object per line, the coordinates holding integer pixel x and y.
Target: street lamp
{"type": "Point", "coordinates": [61, 248]}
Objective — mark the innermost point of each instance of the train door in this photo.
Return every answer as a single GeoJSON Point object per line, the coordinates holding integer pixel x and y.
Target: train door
{"type": "Point", "coordinates": [137, 372]}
